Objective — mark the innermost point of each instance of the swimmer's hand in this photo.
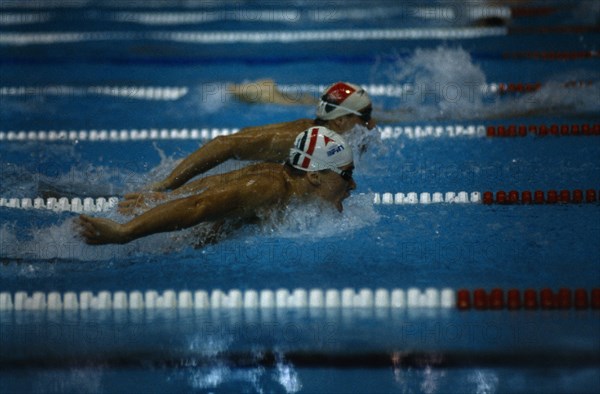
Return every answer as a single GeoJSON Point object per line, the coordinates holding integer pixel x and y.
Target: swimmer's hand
{"type": "Point", "coordinates": [139, 201]}
{"type": "Point", "coordinates": [161, 186]}
{"type": "Point", "coordinates": [98, 231]}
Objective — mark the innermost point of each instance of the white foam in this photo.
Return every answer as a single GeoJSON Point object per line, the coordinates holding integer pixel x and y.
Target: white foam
{"type": "Point", "coordinates": [287, 376]}
{"type": "Point", "coordinates": [446, 83]}
{"type": "Point", "coordinates": [317, 219]}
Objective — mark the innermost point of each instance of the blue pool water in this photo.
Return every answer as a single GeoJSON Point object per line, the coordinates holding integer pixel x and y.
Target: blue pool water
{"type": "Point", "coordinates": [89, 65]}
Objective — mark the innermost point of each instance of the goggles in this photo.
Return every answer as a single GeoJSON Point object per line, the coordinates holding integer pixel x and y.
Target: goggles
{"type": "Point", "coordinates": [345, 174]}
{"type": "Point", "coordinates": [365, 116]}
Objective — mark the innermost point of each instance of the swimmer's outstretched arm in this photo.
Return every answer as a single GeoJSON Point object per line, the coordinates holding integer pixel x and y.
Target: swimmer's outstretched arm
{"type": "Point", "coordinates": [133, 202]}
{"type": "Point", "coordinates": [213, 153]}
{"type": "Point", "coordinates": [216, 204]}
{"type": "Point", "coordinates": [263, 143]}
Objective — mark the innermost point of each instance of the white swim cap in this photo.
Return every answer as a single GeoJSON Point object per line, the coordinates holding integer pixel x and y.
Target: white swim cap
{"type": "Point", "coordinates": [319, 148]}
{"type": "Point", "coordinates": [342, 98]}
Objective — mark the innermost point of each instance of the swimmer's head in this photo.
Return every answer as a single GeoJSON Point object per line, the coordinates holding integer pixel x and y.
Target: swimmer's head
{"type": "Point", "coordinates": [343, 98]}
{"type": "Point", "coordinates": [319, 148]}
{"type": "Point", "coordinates": [321, 154]}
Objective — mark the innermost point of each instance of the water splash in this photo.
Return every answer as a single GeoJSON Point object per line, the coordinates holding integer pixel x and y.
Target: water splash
{"type": "Point", "coordinates": [214, 371]}
{"type": "Point", "coordinates": [365, 143]}
{"type": "Point", "coordinates": [486, 382]}
{"type": "Point", "coordinates": [286, 375]}
{"type": "Point", "coordinates": [208, 98]}
{"type": "Point", "coordinates": [86, 380]}
{"type": "Point", "coordinates": [556, 97]}
{"type": "Point", "coordinates": [443, 83]}
{"type": "Point", "coordinates": [446, 84]}
{"type": "Point", "coordinates": [316, 219]}
{"type": "Point", "coordinates": [46, 236]}
{"type": "Point", "coordinates": [43, 236]}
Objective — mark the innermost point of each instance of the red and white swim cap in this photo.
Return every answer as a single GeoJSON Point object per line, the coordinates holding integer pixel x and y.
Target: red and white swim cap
{"type": "Point", "coordinates": [319, 148]}
{"type": "Point", "coordinates": [342, 98]}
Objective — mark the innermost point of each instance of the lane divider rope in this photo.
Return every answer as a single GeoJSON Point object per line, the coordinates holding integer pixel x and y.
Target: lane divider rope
{"type": "Point", "coordinates": [205, 134]}
{"type": "Point", "coordinates": [564, 196]}
{"type": "Point", "coordinates": [431, 131]}
{"type": "Point", "coordinates": [386, 132]}
{"type": "Point", "coordinates": [70, 4]}
{"type": "Point", "coordinates": [313, 15]}
{"type": "Point", "coordinates": [115, 135]}
{"type": "Point", "coordinates": [531, 299]}
{"type": "Point", "coordinates": [63, 204]}
{"type": "Point", "coordinates": [553, 55]}
{"type": "Point", "coordinates": [168, 93]}
{"type": "Point", "coordinates": [302, 298]}
{"type": "Point", "coordinates": [406, 89]}
{"type": "Point", "coordinates": [255, 37]}
{"type": "Point", "coordinates": [424, 198]}
{"type": "Point", "coordinates": [543, 130]}
{"type": "Point", "coordinates": [290, 90]}
{"type": "Point", "coordinates": [528, 87]}
{"type": "Point", "coordinates": [232, 299]}
{"type": "Point", "coordinates": [10, 18]}
{"type": "Point", "coordinates": [473, 11]}
{"type": "Point", "coordinates": [102, 204]}
{"type": "Point", "coordinates": [266, 37]}
{"type": "Point", "coordinates": [577, 196]}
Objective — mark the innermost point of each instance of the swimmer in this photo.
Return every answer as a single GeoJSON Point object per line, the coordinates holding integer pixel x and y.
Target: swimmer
{"type": "Point", "coordinates": [342, 106]}
{"type": "Point", "coordinates": [319, 166]}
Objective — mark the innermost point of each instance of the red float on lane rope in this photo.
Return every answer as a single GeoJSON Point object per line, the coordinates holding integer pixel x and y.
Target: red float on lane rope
{"type": "Point", "coordinates": [501, 197]}
{"type": "Point", "coordinates": [565, 196]}
{"type": "Point", "coordinates": [496, 299]}
{"type": "Point", "coordinates": [531, 299]}
{"type": "Point", "coordinates": [463, 299]}
{"type": "Point", "coordinates": [596, 299]}
{"type": "Point", "coordinates": [514, 299]}
{"type": "Point", "coordinates": [565, 297]}
{"type": "Point", "coordinates": [540, 197]}
{"type": "Point", "coordinates": [563, 130]}
{"type": "Point", "coordinates": [480, 299]}
{"type": "Point", "coordinates": [547, 299]}
{"type": "Point", "coordinates": [488, 198]}
{"type": "Point", "coordinates": [581, 299]}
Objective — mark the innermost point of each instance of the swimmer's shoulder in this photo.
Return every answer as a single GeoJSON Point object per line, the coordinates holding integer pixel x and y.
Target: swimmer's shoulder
{"type": "Point", "coordinates": [294, 126]}
{"type": "Point", "coordinates": [269, 179]}
{"type": "Point", "coordinates": [301, 124]}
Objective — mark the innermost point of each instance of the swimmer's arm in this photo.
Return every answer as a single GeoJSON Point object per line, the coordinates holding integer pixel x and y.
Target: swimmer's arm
{"type": "Point", "coordinates": [264, 143]}
{"type": "Point", "coordinates": [213, 153]}
{"type": "Point", "coordinates": [135, 201]}
{"type": "Point", "coordinates": [270, 142]}
{"type": "Point", "coordinates": [239, 200]}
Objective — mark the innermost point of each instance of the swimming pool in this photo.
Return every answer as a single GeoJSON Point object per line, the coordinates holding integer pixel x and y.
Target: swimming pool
{"type": "Point", "coordinates": [100, 98]}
